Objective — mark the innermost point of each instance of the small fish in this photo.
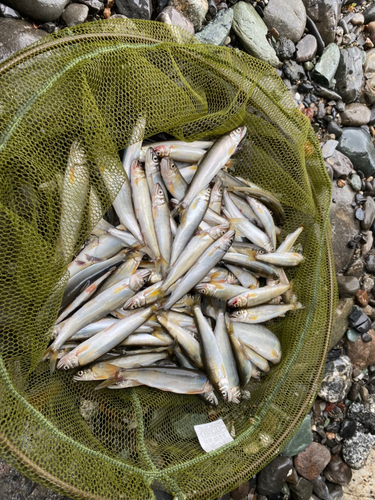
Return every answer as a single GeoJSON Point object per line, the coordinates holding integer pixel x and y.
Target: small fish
{"type": "Point", "coordinates": [216, 196]}
{"type": "Point", "coordinates": [134, 150]}
{"type": "Point", "coordinates": [251, 298]}
{"type": "Point", "coordinates": [287, 244]}
{"type": "Point", "coordinates": [285, 259]}
{"type": "Point", "coordinates": [262, 313]}
{"type": "Point", "coordinates": [265, 216]}
{"type": "Point", "coordinates": [172, 178]}
{"type": "Point", "coordinates": [179, 152]}
{"type": "Point", "coordinates": [221, 291]}
{"type": "Point", "coordinates": [246, 279]}
{"type": "Point", "coordinates": [260, 339]}
{"type": "Point", "coordinates": [162, 216]}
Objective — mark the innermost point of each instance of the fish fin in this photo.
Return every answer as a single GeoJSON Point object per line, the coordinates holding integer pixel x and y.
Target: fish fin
{"type": "Point", "coordinates": [161, 265]}
{"type": "Point", "coordinates": [106, 383]}
{"type": "Point", "coordinates": [53, 361]}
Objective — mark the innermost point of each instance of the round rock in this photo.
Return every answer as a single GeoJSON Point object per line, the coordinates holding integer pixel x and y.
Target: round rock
{"type": "Point", "coordinates": [364, 413]}
{"type": "Point", "coordinates": [194, 10]}
{"type": "Point", "coordinates": [170, 15]}
{"type": "Point", "coordinates": [357, 145]}
{"type": "Point", "coordinates": [362, 354]}
{"type": "Point", "coordinates": [272, 478]}
{"type": "Point", "coordinates": [306, 48]}
{"type": "Point", "coordinates": [75, 14]}
{"type": "Point", "coordinates": [39, 10]}
{"type": "Point", "coordinates": [287, 16]}
{"type": "Point", "coordinates": [311, 462]}
{"type": "Point", "coordinates": [348, 285]}
{"type": "Point", "coordinates": [356, 450]}
{"type": "Point", "coordinates": [355, 115]}
{"type": "Point", "coordinates": [337, 471]}
{"type": "Point", "coordinates": [336, 380]}
{"type": "Point", "coordinates": [16, 34]}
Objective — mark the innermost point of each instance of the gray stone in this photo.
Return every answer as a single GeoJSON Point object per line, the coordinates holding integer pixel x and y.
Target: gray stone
{"type": "Point", "coordinates": [355, 268]}
{"type": "Point", "coordinates": [343, 224]}
{"type": "Point", "coordinates": [325, 14]}
{"type": "Point", "coordinates": [218, 29]}
{"type": "Point", "coordinates": [336, 380]}
{"type": "Point", "coordinates": [369, 13]}
{"type": "Point", "coordinates": [356, 450]}
{"type": "Point", "coordinates": [94, 5]}
{"type": "Point", "coordinates": [135, 9]}
{"type": "Point", "coordinates": [251, 31]}
{"type": "Point", "coordinates": [370, 264]}
{"type": "Point", "coordinates": [39, 10]}
{"type": "Point", "coordinates": [326, 68]}
{"type": "Point", "coordinates": [306, 48]}
{"type": "Point", "coordinates": [328, 148]}
{"type": "Point", "coordinates": [342, 166]}
{"type": "Point", "coordinates": [327, 93]}
{"type": "Point", "coordinates": [352, 334]}
{"type": "Point", "coordinates": [287, 16]}
{"type": "Point", "coordinates": [335, 491]}
{"type": "Point", "coordinates": [302, 490]}
{"type": "Point", "coordinates": [75, 14]}
{"type": "Point", "coordinates": [348, 285]}
{"type": "Point", "coordinates": [335, 129]}
{"type": "Point", "coordinates": [285, 48]}
{"type": "Point", "coordinates": [293, 71]}
{"type": "Point", "coordinates": [320, 488]}
{"type": "Point", "coordinates": [355, 182]}
{"type": "Point", "coordinates": [349, 74]}
{"type": "Point", "coordinates": [364, 413]}
{"type": "Point", "coordinates": [194, 10]}
{"type": "Point", "coordinates": [369, 89]}
{"type": "Point", "coordinates": [340, 320]}
{"type": "Point", "coordinates": [16, 34]}
{"type": "Point", "coordinates": [366, 223]}
{"type": "Point", "coordinates": [172, 16]}
{"type": "Point", "coordinates": [355, 115]}
{"type": "Point", "coordinates": [6, 11]}
{"type": "Point", "coordinates": [313, 30]}
{"type": "Point", "coordinates": [301, 440]}
{"type": "Point", "coordinates": [356, 144]}
{"type": "Point", "coordinates": [272, 478]}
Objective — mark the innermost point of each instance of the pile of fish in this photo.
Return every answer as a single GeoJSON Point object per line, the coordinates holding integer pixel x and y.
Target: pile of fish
{"type": "Point", "coordinates": [173, 297]}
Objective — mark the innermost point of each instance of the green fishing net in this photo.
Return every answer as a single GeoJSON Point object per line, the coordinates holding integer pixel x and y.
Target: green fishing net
{"type": "Point", "coordinates": [92, 83]}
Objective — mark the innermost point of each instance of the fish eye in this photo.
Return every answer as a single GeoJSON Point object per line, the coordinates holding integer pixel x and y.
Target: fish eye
{"type": "Point", "coordinates": [221, 190]}
{"type": "Point", "coordinates": [160, 191]}
{"type": "Point", "coordinates": [66, 368]}
{"type": "Point", "coordinates": [80, 373]}
{"type": "Point", "coordinates": [238, 130]}
{"type": "Point", "coordinates": [158, 153]}
{"type": "Point", "coordinates": [155, 158]}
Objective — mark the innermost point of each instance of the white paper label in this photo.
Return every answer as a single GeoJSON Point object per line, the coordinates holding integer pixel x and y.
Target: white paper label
{"type": "Point", "coordinates": [213, 435]}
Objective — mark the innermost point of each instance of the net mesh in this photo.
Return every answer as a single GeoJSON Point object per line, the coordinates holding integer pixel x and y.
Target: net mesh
{"type": "Point", "coordinates": [92, 83]}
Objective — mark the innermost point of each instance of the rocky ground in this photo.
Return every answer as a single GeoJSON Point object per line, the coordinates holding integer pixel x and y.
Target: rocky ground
{"type": "Point", "coordinates": [324, 51]}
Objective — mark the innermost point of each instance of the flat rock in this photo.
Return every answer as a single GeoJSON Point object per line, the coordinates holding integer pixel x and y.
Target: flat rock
{"type": "Point", "coordinates": [310, 462]}
{"type": "Point", "coordinates": [348, 286]}
{"type": "Point", "coordinates": [320, 488]}
{"type": "Point", "coordinates": [251, 31]}
{"type": "Point", "coordinates": [356, 450]}
{"type": "Point", "coordinates": [340, 320]}
{"type": "Point", "coordinates": [306, 48]}
{"type": "Point", "coordinates": [349, 75]}
{"type": "Point", "coordinates": [337, 471]}
{"type": "Point", "coordinates": [362, 354]}
{"type": "Point", "coordinates": [359, 320]}
{"type": "Point", "coordinates": [328, 148]}
{"type": "Point", "coordinates": [343, 224]}
{"type": "Point", "coordinates": [341, 165]}
{"type": "Point", "coordinates": [301, 440]}
{"type": "Point", "coordinates": [16, 34]}
{"type": "Point", "coordinates": [39, 10]}
{"type": "Point", "coordinates": [272, 478]}
{"type": "Point", "coordinates": [355, 115]}
{"type": "Point", "coordinates": [302, 490]}
{"type": "Point", "coordinates": [75, 14]}
{"type": "Point", "coordinates": [285, 48]}
{"type": "Point", "coordinates": [287, 16]}
{"type": "Point", "coordinates": [135, 9]}
{"type": "Point", "coordinates": [172, 16]}
{"type": "Point", "coordinates": [218, 29]}
{"type": "Point", "coordinates": [325, 70]}
{"type": "Point", "coordinates": [336, 380]}
{"type": "Point", "coordinates": [356, 144]}
{"type": "Point", "coordinates": [194, 10]}
{"type": "Point", "coordinates": [325, 14]}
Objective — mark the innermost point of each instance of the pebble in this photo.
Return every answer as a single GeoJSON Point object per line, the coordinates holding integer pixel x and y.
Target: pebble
{"type": "Point", "coordinates": [15, 34]}
{"type": "Point", "coordinates": [359, 214]}
{"type": "Point", "coordinates": [359, 320]}
{"type": "Point", "coordinates": [287, 16]}
{"type": "Point", "coordinates": [241, 492]}
{"type": "Point", "coordinates": [6, 11]}
{"type": "Point", "coordinates": [320, 488]}
{"type": "Point", "coordinates": [342, 166]}
{"type": "Point", "coordinates": [218, 29]}
{"type": "Point", "coordinates": [293, 71]}
{"type": "Point", "coordinates": [251, 31]}
{"type": "Point", "coordinates": [194, 10]}
{"type": "Point", "coordinates": [335, 129]}
{"type": "Point", "coordinates": [285, 48]}
{"type": "Point", "coordinates": [326, 93]}
{"type": "Point", "coordinates": [309, 112]}
{"type": "Point", "coordinates": [363, 391]}
{"type": "Point", "coordinates": [311, 462]}
{"type": "Point", "coordinates": [348, 285]}
{"type": "Point", "coordinates": [306, 48]}
{"type": "Point", "coordinates": [336, 380]}
{"type": "Point", "coordinates": [39, 10]}
{"type": "Point", "coordinates": [366, 247]}
{"type": "Point", "coordinates": [348, 428]}
{"type": "Point", "coordinates": [340, 320]}
{"type": "Point", "coordinates": [337, 471]}
{"type": "Point", "coordinates": [328, 148]}
{"type": "Point", "coordinates": [134, 8]}
{"type": "Point", "coordinates": [355, 268]}
{"type": "Point", "coordinates": [170, 15]}
{"type": "Point", "coordinates": [362, 354]}
{"type": "Point", "coordinates": [369, 214]}
{"type": "Point", "coordinates": [355, 115]}
{"type": "Point", "coordinates": [355, 181]}
{"type": "Point", "coordinates": [325, 14]}
{"type": "Point", "coordinates": [356, 144]}
{"type": "Point", "coordinates": [301, 440]}
{"type": "Point", "coordinates": [358, 19]}
{"type": "Point", "coordinates": [362, 298]}
{"type": "Point", "coordinates": [302, 490]}
{"type": "Point", "coordinates": [272, 478]}
{"type": "Point", "coordinates": [335, 490]}
{"type": "Point", "coordinates": [75, 14]}
{"type": "Point", "coordinates": [369, 13]}
{"type": "Point", "coordinates": [364, 413]}
{"type": "Point", "coordinates": [356, 450]}
{"type": "Point", "coordinates": [326, 68]}
{"type": "Point", "coordinates": [370, 263]}
{"type": "Point", "coordinates": [352, 335]}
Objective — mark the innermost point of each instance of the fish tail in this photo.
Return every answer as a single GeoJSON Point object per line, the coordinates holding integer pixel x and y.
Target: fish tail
{"type": "Point", "coordinates": [177, 210]}
{"type": "Point", "coordinates": [52, 356]}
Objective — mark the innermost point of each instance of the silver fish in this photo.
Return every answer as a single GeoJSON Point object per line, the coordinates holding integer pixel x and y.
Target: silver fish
{"type": "Point", "coordinates": [265, 216]}
{"type": "Point", "coordinates": [153, 175]}
{"type": "Point", "coordinates": [172, 178]}
{"type": "Point", "coordinates": [260, 339]}
{"type": "Point", "coordinates": [257, 359]}
{"type": "Point", "coordinates": [259, 268]}
{"type": "Point", "coordinates": [285, 259]}
{"type": "Point", "coordinates": [251, 298]}
{"type": "Point", "coordinates": [287, 244]}
{"type": "Point", "coordinates": [162, 216]}
{"type": "Point", "coordinates": [261, 314]}
{"type": "Point", "coordinates": [247, 279]}
{"type": "Point", "coordinates": [216, 196]}
{"type": "Point", "coordinates": [180, 152]}
{"type": "Point", "coordinates": [221, 291]}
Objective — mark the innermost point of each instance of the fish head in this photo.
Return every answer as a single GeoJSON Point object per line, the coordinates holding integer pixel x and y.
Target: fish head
{"type": "Point", "coordinates": [169, 169]}
{"type": "Point", "coordinates": [161, 151]}
{"type": "Point", "coordinates": [225, 390]}
{"type": "Point", "coordinates": [226, 240]}
{"type": "Point", "coordinates": [152, 159]}
{"type": "Point", "coordinates": [135, 302]}
{"type": "Point", "coordinates": [237, 315]}
{"type": "Point", "coordinates": [205, 288]}
{"type": "Point", "coordinates": [205, 194]}
{"type": "Point", "coordinates": [86, 374]}
{"type": "Point", "coordinates": [237, 302]}
{"type": "Point", "coordinates": [137, 170]}
{"type": "Point", "coordinates": [209, 395]}
{"type": "Point", "coordinates": [139, 279]}
{"type": "Point", "coordinates": [236, 395]}
{"type": "Point", "coordinates": [218, 231]}
{"type": "Point", "coordinates": [67, 362]}
{"type": "Point", "coordinates": [158, 197]}
{"type": "Point", "coordinates": [217, 190]}
{"type": "Point", "coordinates": [238, 134]}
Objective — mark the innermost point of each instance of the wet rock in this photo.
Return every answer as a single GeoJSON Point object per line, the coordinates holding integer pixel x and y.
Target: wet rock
{"type": "Point", "coordinates": [340, 320]}
{"type": "Point", "coordinates": [362, 354]}
{"type": "Point", "coordinates": [355, 268]}
{"type": "Point", "coordinates": [306, 48]}
{"type": "Point", "coordinates": [348, 286]}
{"type": "Point", "coordinates": [336, 380]}
{"type": "Point", "coordinates": [370, 264]}
{"type": "Point", "coordinates": [352, 334]}
{"type": "Point", "coordinates": [39, 10]}
{"type": "Point", "coordinates": [302, 490]}
{"type": "Point", "coordinates": [170, 15]}
{"type": "Point", "coordinates": [369, 13]}
{"type": "Point", "coordinates": [366, 247]}
{"type": "Point", "coordinates": [313, 30]}
{"type": "Point", "coordinates": [135, 9]}
{"type": "Point", "coordinates": [364, 413]}
{"type": "Point", "coordinates": [6, 11]}
{"type": "Point", "coordinates": [335, 491]}
{"type": "Point", "coordinates": [369, 214]}
{"type": "Point", "coordinates": [355, 115]}
{"type": "Point", "coordinates": [285, 48]}
{"type": "Point", "coordinates": [310, 462]}
{"type": "Point", "coordinates": [362, 298]}
{"type": "Point", "coordinates": [335, 129]}
{"type": "Point", "coordinates": [75, 14]}
{"type": "Point", "coordinates": [251, 31]}
{"type": "Point", "coordinates": [369, 66]}
{"type": "Point", "coordinates": [328, 148]}
{"type": "Point", "coordinates": [348, 428]}
{"type": "Point", "coordinates": [320, 488]}
{"type": "Point", "coordinates": [272, 478]}
{"type": "Point", "coordinates": [356, 144]}
{"type": "Point", "coordinates": [301, 440]}
{"type": "Point", "coordinates": [94, 5]}
{"type": "Point", "coordinates": [241, 492]}
{"type": "Point", "coordinates": [287, 16]}
{"type": "Point", "coordinates": [344, 226]}
{"type": "Point", "coordinates": [369, 89]}
{"type": "Point", "coordinates": [359, 320]}
{"type": "Point", "coordinates": [218, 29]}
{"type": "Point", "coordinates": [355, 182]}
{"type": "Point", "coordinates": [194, 10]}
{"type": "Point", "coordinates": [342, 166]}
{"type": "Point", "coordinates": [326, 68]}
{"type": "Point", "coordinates": [326, 93]}
{"type": "Point", "coordinates": [356, 450]}
{"type": "Point", "coordinates": [325, 14]}
{"type": "Point", "coordinates": [16, 34]}
{"type": "Point", "coordinates": [337, 471]}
